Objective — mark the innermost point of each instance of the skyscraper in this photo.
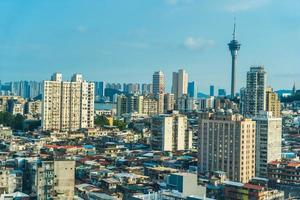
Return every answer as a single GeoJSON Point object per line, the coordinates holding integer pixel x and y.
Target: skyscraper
{"type": "Point", "coordinates": [221, 92]}
{"type": "Point", "coordinates": [131, 88]}
{"type": "Point", "coordinates": [234, 47]}
{"type": "Point", "coordinates": [212, 90]}
{"type": "Point", "coordinates": [253, 98]}
{"type": "Point", "coordinates": [180, 83]}
{"type": "Point", "coordinates": [227, 143]}
{"type": "Point", "coordinates": [158, 82]}
{"type": "Point", "coordinates": [192, 89]}
{"type": "Point", "coordinates": [147, 88]}
{"type": "Point", "coordinates": [99, 89]}
{"type": "Point", "coordinates": [67, 105]}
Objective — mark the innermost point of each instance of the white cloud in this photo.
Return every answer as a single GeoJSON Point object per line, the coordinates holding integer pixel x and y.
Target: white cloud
{"type": "Point", "coordinates": [193, 43]}
{"type": "Point", "coordinates": [81, 29]}
{"type": "Point", "coordinates": [244, 5]}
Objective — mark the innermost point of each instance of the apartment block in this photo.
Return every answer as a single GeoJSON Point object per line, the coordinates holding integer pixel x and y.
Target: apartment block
{"type": "Point", "coordinates": [67, 105]}
{"type": "Point", "coordinates": [227, 143]}
{"type": "Point", "coordinates": [170, 133]}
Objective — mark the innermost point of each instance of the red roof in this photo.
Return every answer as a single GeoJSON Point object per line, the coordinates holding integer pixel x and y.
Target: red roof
{"type": "Point", "coordinates": [275, 162]}
{"type": "Point", "coordinates": [293, 164]}
{"type": "Point", "coordinates": [253, 187]}
{"type": "Point", "coordinates": [61, 147]}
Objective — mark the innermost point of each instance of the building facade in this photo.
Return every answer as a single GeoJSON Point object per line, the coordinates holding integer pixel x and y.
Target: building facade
{"type": "Point", "coordinates": [254, 95]}
{"type": "Point", "coordinates": [170, 133]}
{"type": "Point", "coordinates": [158, 82]}
{"type": "Point", "coordinates": [268, 141]}
{"type": "Point", "coordinates": [53, 179]}
{"type": "Point", "coordinates": [227, 143]}
{"type": "Point", "coordinates": [180, 83]}
{"type": "Point", "coordinates": [67, 105]}
{"type": "Point", "coordinates": [273, 103]}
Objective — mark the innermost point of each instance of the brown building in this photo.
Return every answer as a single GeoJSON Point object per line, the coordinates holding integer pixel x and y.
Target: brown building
{"type": "Point", "coordinates": [239, 191]}
{"type": "Point", "coordinates": [285, 172]}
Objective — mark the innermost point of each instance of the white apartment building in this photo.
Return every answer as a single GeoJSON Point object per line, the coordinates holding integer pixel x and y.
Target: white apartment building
{"type": "Point", "coordinates": [253, 97]}
{"type": "Point", "coordinates": [170, 133]}
{"type": "Point", "coordinates": [268, 141]}
{"type": "Point", "coordinates": [67, 105]}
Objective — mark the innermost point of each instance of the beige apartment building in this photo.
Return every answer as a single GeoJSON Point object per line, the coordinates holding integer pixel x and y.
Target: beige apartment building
{"type": "Point", "coordinates": [227, 143]}
{"type": "Point", "coordinates": [273, 102]}
{"type": "Point", "coordinates": [67, 105]}
{"type": "Point", "coordinates": [169, 102]}
{"type": "Point", "coordinates": [170, 133]}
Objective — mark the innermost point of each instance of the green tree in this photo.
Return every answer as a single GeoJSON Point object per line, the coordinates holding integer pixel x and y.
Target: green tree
{"type": "Point", "coordinates": [120, 124]}
{"type": "Point", "coordinates": [101, 121]}
{"type": "Point", "coordinates": [14, 121]}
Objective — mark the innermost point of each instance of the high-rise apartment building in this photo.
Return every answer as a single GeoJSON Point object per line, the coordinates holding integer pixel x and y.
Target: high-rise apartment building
{"type": "Point", "coordinates": [26, 89]}
{"type": "Point", "coordinates": [67, 105]}
{"type": "Point", "coordinates": [170, 133]}
{"type": "Point", "coordinates": [192, 89]}
{"type": "Point", "coordinates": [147, 89]}
{"type": "Point", "coordinates": [227, 143]}
{"type": "Point", "coordinates": [131, 88]}
{"type": "Point", "coordinates": [160, 103]}
{"type": "Point", "coordinates": [253, 97]}
{"type": "Point", "coordinates": [122, 104]}
{"type": "Point", "coordinates": [169, 102]}
{"type": "Point", "coordinates": [268, 141]}
{"type": "Point", "coordinates": [186, 104]}
{"type": "Point", "coordinates": [99, 89]}
{"type": "Point", "coordinates": [158, 82]}
{"type": "Point", "coordinates": [180, 83]}
{"type": "Point", "coordinates": [150, 106]}
{"type": "Point", "coordinates": [115, 86]}
{"type": "Point", "coordinates": [53, 179]}
{"type": "Point", "coordinates": [273, 102]}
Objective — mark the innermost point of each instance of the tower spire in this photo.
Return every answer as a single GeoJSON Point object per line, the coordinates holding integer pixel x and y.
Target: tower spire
{"type": "Point", "coordinates": [234, 28]}
{"type": "Point", "coordinates": [234, 47]}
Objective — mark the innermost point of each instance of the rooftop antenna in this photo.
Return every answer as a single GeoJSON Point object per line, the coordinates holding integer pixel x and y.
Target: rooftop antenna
{"type": "Point", "coordinates": [234, 27]}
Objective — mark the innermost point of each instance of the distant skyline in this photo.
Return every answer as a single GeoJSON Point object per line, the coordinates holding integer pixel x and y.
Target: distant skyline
{"type": "Point", "coordinates": [126, 41]}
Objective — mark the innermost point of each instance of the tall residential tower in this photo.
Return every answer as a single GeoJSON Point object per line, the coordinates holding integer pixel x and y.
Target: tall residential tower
{"type": "Point", "coordinates": [234, 47]}
{"type": "Point", "coordinates": [158, 82]}
{"type": "Point", "coordinates": [67, 105]}
{"type": "Point", "coordinates": [180, 83]}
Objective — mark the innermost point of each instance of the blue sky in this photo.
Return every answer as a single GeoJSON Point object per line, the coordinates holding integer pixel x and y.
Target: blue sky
{"type": "Point", "coordinates": [126, 41]}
